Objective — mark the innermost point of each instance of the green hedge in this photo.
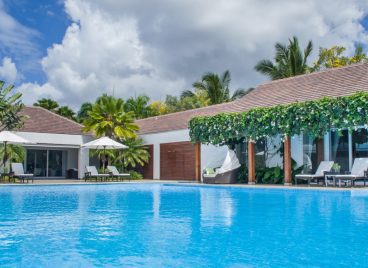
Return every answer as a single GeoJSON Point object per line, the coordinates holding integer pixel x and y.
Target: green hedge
{"type": "Point", "coordinates": [312, 117]}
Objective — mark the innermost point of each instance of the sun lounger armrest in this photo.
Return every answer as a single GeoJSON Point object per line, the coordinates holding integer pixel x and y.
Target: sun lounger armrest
{"type": "Point", "coordinates": [87, 174]}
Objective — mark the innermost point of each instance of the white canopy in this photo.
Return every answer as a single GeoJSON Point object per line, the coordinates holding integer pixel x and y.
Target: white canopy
{"type": "Point", "coordinates": [9, 137]}
{"type": "Point", "coordinates": [231, 162]}
{"type": "Point", "coordinates": [104, 143]}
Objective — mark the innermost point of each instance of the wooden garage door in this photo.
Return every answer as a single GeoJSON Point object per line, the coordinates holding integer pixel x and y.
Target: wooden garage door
{"type": "Point", "coordinates": [147, 169]}
{"type": "Point", "coordinates": [177, 161]}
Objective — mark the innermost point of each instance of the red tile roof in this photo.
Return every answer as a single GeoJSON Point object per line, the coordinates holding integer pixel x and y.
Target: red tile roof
{"type": "Point", "coordinates": [329, 83]}
{"type": "Point", "coordinates": [41, 120]}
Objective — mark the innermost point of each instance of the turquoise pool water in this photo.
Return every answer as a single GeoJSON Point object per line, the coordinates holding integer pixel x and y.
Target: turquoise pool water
{"type": "Point", "coordinates": [151, 225]}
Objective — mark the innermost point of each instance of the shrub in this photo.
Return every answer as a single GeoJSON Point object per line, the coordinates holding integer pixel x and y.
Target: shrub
{"type": "Point", "coordinates": [134, 175]}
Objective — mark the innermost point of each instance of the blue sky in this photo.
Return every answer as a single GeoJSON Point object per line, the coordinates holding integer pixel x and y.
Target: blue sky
{"type": "Point", "coordinates": [75, 50]}
{"type": "Point", "coordinates": [46, 17]}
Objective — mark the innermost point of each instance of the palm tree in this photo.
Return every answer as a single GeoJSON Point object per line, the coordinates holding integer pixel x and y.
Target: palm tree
{"type": "Point", "coordinates": [83, 111]}
{"type": "Point", "coordinates": [290, 60]}
{"type": "Point", "coordinates": [66, 112]}
{"type": "Point", "coordinates": [14, 153]}
{"type": "Point", "coordinates": [136, 153]}
{"type": "Point", "coordinates": [48, 104]}
{"type": "Point", "coordinates": [108, 118]}
{"type": "Point", "coordinates": [10, 107]}
{"type": "Point", "coordinates": [139, 106]}
{"type": "Point", "coordinates": [216, 88]}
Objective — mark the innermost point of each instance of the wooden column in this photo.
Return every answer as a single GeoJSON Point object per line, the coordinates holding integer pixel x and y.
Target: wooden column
{"type": "Point", "coordinates": [198, 172]}
{"type": "Point", "coordinates": [287, 162]}
{"type": "Point", "coordinates": [320, 150]}
{"type": "Point", "coordinates": [251, 163]}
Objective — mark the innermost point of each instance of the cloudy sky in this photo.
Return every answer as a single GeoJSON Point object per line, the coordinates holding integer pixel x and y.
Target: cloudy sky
{"type": "Point", "coordinates": [75, 50]}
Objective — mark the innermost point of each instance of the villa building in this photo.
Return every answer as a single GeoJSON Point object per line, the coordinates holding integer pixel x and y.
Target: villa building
{"type": "Point", "coordinates": [56, 150]}
{"type": "Point", "coordinates": [175, 157]}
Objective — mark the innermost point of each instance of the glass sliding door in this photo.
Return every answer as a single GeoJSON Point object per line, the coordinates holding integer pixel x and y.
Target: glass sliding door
{"type": "Point", "coordinates": [55, 164]}
{"type": "Point", "coordinates": [37, 162]}
{"type": "Point", "coordinates": [359, 143]}
{"type": "Point", "coordinates": [46, 163]}
{"type": "Point", "coordinates": [339, 149]}
{"type": "Point", "coordinates": [313, 153]}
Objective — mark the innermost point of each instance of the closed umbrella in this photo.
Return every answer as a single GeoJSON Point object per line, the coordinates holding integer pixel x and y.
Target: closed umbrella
{"type": "Point", "coordinates": [7, 137]}
{"type": "Point", "coordinates": [104, 143]}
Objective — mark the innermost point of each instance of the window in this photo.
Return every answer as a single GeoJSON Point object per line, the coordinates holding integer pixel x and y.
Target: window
{"type": "Point", "coordinates": [313, 153]}
{"type": "Point", "coordinates": [360, 143]}
{"type": "Point", "coordinates": [339, 149]}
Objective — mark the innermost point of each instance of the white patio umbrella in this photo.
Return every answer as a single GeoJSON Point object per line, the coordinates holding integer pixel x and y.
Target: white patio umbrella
{"type": "Point", "coordinates": [7, 137]}
{"type": "Point", "coordinates": [104, 143]}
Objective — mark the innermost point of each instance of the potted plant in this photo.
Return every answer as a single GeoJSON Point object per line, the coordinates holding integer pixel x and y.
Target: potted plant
{"type": "Point", "coordinates": [336, 167]}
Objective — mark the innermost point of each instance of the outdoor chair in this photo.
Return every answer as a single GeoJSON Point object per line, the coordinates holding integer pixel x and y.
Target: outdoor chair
{"type": "Point", "coordinates": [324, 166]}
{"type": "Point", "coordinates": [18, 172]}
{"type": "Point", "coordinates": [228, 177]}
{"type": "Point", "coordinates": [358, 172]}
{"type": "Point", "coordinates": [227, 173]}
{"type": "Point", "coordinates": [116, 174]}
{"type": "Point", "coordinates": [93, 173]}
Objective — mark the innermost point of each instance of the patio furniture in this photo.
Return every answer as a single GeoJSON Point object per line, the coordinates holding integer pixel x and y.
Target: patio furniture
{"type": "Point", "coordinates": [358, 172]}
{"type": "Point", "coordinates": [330, 178]}
{"type": "Point", "coordinates": [227, 173]}
{"type": "Point", "coordinates": [116, 174]}
{"type": "Point", "coordinates": [324, 166]}
{"type": "Point", "coordinates": [18, 172]}
{"type": "Point", "coordinates": [93, 173]}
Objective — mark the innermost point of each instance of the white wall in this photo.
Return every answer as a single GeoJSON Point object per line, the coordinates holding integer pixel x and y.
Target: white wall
{"type": "Point", "coordinates": [211, 154]}
{"type": "Point", "coordinates": [273, 157]}
{"type": "Point", "coordinates": [297, 149]}
{"type": "Point", "coordinates": [163, 137]}
{"type": "Point", "coordinates": [207, 151]}
{"type": "Point", "coordinates": [77, 158]}
{"type": "Point", "coordinates": [55, 140]}
{"type": "Point", "coordinates": [83, 161]}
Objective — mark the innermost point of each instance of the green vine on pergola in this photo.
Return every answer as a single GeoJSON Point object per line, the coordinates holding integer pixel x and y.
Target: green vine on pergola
{"type": "Point", "coordinates": [314, 118]}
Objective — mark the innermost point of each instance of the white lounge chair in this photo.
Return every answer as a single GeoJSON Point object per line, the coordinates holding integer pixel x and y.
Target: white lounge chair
{"type": "Point", "coordinates": [324, 166]}
{"type": "Point", "coordinates": [116, 174]}
{"type": "Point", "coordinates": [18, 172]}
{"type": "Point", "coordinates": [93, 173]}
{"type": "Point", "coordinates": [358, 171]}
{"type": "Point", "coordinates": [227, 173]}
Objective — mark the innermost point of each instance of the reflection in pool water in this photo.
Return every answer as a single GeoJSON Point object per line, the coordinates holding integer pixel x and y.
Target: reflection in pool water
{"type": "Point", "coordinates": [151, 225]}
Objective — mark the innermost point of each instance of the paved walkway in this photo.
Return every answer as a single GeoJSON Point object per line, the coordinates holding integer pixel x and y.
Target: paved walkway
{"type": "Point", "coordinates": [194, 183]}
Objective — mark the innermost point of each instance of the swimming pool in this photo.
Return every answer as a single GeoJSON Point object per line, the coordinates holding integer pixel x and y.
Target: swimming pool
{"type": "Point", "coordinates": [159, 225]}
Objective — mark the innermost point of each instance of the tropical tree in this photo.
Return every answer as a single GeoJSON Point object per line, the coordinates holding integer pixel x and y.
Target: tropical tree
{"type": "Point", "coordinates": [135, 154]}
{"type": "Point", "coordinates": [158, 108]}
{"type": "Point", "coordinates": [14, 153]}
{"type": "Point", "coordinates": [65, 111]}
{"type": "Point", "coordinates": [10, 107]}
{"type": "Point", "coordinates": [48, 104]}
{"type": "Point", "coordinates": [215, 87]}
{"type": "Point", "coordinates": [333, 57]}
{"type": "Point", "coordinates": [139, 106]}
{"type": "Point", "coordinates": [290, 60]}
{"type": "Point", "coordinates": [83, 111]}
{"type": "Point", "coordinates": [108, 118]}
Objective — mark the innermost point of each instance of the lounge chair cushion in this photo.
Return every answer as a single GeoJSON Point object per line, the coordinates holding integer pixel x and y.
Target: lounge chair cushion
{"type": "Point", "coordinates": [18, 170]}
{"type": "Point", "coordinates": [210, 171]}
{"type": "Point", "coordinates": [209, 175]}
{"type": "Point", "coordinates": [307, 176]}
{"type": "Point", "coordinates": [115, 171]}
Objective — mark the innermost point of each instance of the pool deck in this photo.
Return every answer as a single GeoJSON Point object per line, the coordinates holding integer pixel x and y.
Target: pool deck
{"type": "Point", "coordinates": [192, 183]}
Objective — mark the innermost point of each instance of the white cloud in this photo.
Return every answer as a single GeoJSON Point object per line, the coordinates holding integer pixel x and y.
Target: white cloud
{"type": "Point", "coordinates": [17, 39]}
{"type": "Point", "coordinates": [161, 46]}
{"type": "Point", "coordinates": [8, 70]}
